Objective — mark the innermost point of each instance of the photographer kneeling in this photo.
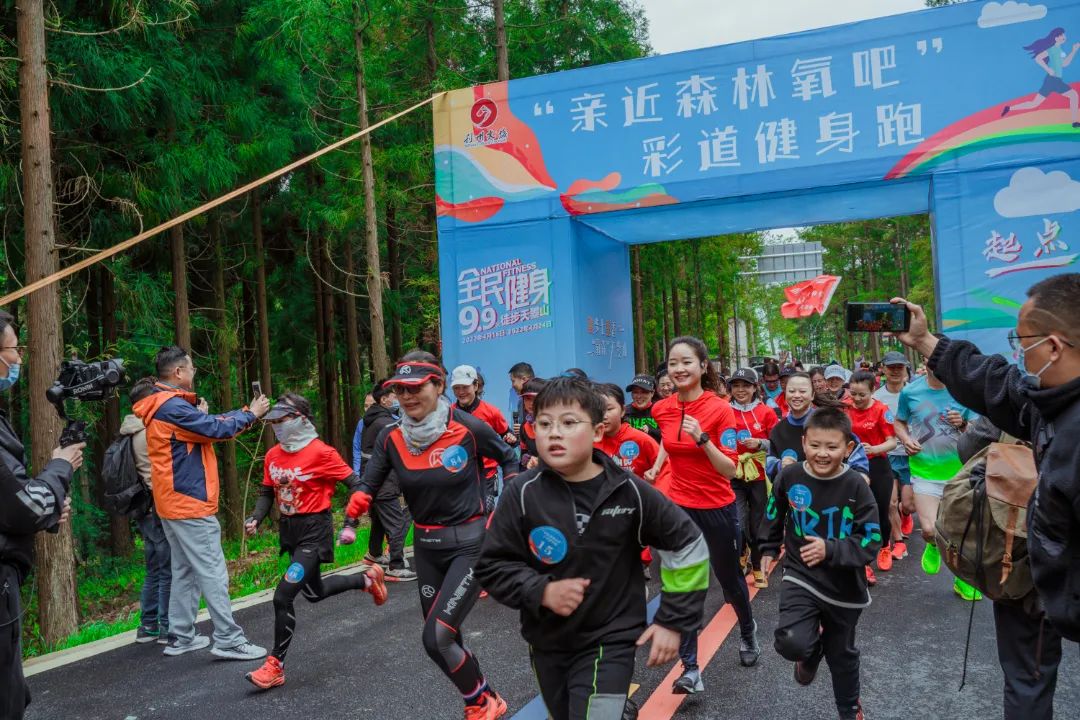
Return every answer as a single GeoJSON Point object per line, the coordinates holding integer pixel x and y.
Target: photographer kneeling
{"type": "Point", "coordinates": [27, 506]}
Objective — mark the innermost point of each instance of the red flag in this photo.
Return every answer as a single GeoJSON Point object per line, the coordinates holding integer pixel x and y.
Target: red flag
{"type": "Point", "coordinates": [809, 297]}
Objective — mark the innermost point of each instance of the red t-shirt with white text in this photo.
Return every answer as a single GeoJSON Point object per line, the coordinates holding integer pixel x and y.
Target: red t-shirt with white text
{"type": "Point", "coordinates": [873, 425]}
{"type": "Point", "coordinates": [304, 481]}
{"type": "Point", "coordinates": [631, 449]}
{"type": "Point", "coordinates": [695, 483]}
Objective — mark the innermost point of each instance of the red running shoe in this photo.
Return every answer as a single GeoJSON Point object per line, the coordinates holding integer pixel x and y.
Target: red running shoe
{"type": "Point", "coordinates": [899, 550]}
{"type": "Point", "coordinates": [377, 583]}
{"type": "Point", "coordinates": [271, 674]}
{"type": "Point", "coordinates": [871, 579]}
{"type": "Point", "coordinates": [491, 706]}
{"type": "Point", "coordinates": [884, 559]}
{"type": "Point", "coordinates": [483, 594]}
{"type": "Point", "coordinates": [907, 524]}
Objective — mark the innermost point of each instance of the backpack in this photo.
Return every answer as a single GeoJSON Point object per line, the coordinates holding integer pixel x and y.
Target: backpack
{"type": "Point", "coordinates": [125, 492]}
{"type": "Point", "coordinates": [981, 524]}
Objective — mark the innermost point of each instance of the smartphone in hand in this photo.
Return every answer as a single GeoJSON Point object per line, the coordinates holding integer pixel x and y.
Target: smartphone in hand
{"type": "Point", "coordinates": [877, 317]}
{"type": "Point", "coordinates": [256, 389]}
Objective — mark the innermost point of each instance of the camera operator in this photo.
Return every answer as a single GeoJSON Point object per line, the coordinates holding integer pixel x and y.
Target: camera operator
{"type": "Point", "coordinates": [27, 506]}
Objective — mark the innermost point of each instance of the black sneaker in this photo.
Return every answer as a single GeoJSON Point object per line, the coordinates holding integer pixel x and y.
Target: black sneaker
{"type": "Point", "coordinates": [749, 650]}
{"type": "Point", "coordinates": [806, 671]}
{"type": "Point", "coordinates": [689, 682]}
{"type": "Point", "coordinates": [146, 634]}
{"type": "Point", "coordinates": [165, 638]}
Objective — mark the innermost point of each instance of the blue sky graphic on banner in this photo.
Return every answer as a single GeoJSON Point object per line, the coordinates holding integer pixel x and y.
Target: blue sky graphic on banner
{"type": "Point", "coordinates": [876, 118]}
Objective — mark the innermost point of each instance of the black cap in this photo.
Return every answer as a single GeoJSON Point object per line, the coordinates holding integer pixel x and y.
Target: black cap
{"type": "Point", "coordinates": [745, 375]}
{"type": "Point", "coordinates": [645, 382]}
{"type": "Point", "coordinates": [894, 358]}
{"type": "Point", "coordinates": [787, 372]}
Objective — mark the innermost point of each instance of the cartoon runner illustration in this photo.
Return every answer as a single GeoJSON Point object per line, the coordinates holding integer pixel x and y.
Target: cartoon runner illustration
{"type": "Point", "coordinates": [1050, 56]}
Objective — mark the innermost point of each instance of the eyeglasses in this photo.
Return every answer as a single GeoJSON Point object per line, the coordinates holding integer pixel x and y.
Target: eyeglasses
{"type": "Point", "coordinates": [407, 389]}
{"type": "Point", "coordinates": [1014, 340]}
{"type": "Point", "coordinates": [565, 426]}
{"type": "Point", "coordinates": [20, 349]}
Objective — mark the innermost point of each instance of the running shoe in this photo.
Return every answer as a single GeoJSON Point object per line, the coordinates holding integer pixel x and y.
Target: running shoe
{"type": "Point", "coordinates": [165, 638]}
{"type": "Point", "coordinates": [243, 651]}
{"type": "Point", "coordinates": [490, 707]}
{"type": "Point", "coordinates": [806, 671]}
{"type": "Point", "coordinates": [377, 584]}
{"type": "Point", "coordinates": [965, 591]}
{"type": "Point", "coordinates": [856, 713]}
{"type": "Point", "coordinates": [689, 682]}
{"type": "Point", "coordinates": [271, 674]}
{"type": "Point", "coordinates": [899, 550]}
{"type": "Point", "coordinates": [884, 559]}
{"type": "Point", "coordinates": [483, 594]}
{"type": "Point", "coordinates": [931, 559]}
{"type": "Point", "coordinates": [400, 575]}
{"type": "Point", "coordinates": [178, 647]}
{"type": "Point", "coordinates": [907, 524]}
{"type": "Point", "coordinates": [370, 559]}
{"type": "Point", "coordinates": [871, 578]}
{"type": "Point", "coordinates": [760, 579]}
{"type": "Point", "coordinates": [749, 649]}
{"type": "Point", "coordinates": [146, 634]}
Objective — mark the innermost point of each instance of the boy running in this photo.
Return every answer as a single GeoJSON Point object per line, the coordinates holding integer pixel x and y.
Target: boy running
{"type": "Point", "coordinates": [631, 449]}
{"type": "Point", "coordinates": [563, 549]}
{"type": "Point", "coordinates": [827, 519]}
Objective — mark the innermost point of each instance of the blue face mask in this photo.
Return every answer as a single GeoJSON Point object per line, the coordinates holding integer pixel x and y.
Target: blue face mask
{"type": "Point", "coordinates": [1031, 380]}
{"type": "Point", "coordinates": [8, 382]}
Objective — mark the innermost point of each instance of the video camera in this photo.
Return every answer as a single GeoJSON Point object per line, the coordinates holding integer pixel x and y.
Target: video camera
{"type": "Point", "coordinates": [82, 381]}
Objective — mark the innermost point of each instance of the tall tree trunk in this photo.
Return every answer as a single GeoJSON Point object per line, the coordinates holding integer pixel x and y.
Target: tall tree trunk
{"type": "Point", "coordinates": [639, 309]}
{"type": "Point", "coordinates": [93, 485]}
{"type": "Point", "coordinates": [315, 248]}
{"type": "Point", "coordinates": [667, 332]}
{"type": "Point", "coordinates": [223, 352]}
{"type": "Point", "coordinates": [379, 359]}
{"type": "Point", "coordinates": [429, 33]}
{"type": "Point", "coordinates": [699, 306]}
{"type": "Point", "coordinates": [262, 315]}
{"type": "Point", "coordinates": [721, 327]}
{"type": "Point", "coordinates": [181, 312]}
{"type": "Point", "coordinates": [119, 527]}
{"type": "Point", "coordinates": [58, 607]}
{"type": "Point", "coordinates": [676, 312]}
{"type": "Point", "coordinates": [502, 60]}
{"type": "Point", "coordinates": [329, 366]}
{"type": "Point", "coordinates": [352, 339]}
{"type": "Point", "coordinates": [393, 261]}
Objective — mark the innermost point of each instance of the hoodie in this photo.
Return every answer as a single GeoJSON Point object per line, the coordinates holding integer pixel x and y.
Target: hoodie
{"type": "Point", "coordinates": [375, 419]}
{"type": "Point", "coordinates": [1049, 418]}
{"type": "Point", "coordinates": [133, 426]}
{"type": "Point", "coordinates": [534, 539]}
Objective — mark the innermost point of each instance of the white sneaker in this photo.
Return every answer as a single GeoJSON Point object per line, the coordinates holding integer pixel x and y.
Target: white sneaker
{"type": "Point", "coordinates": [243, 651]}
{"type": "Point", "coordinates": [400, 575]}
{"type": "Point", "coordinates": [177, 647]}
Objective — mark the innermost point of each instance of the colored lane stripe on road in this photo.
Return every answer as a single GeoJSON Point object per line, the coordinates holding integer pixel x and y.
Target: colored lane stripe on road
{"type": "Point", "coordinates": [535, 709]}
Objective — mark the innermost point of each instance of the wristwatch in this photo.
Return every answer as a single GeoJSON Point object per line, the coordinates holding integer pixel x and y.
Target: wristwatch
{"type": "Point", "coordinates": [703, 439]}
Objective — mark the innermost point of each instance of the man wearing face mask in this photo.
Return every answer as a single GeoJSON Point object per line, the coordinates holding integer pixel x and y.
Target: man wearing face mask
{"type": "Point", "coordinates": [1038, 400]}
{"type": "Point", "coordinates": [27, 506]}
{"type": "Point", "coordinates": [180, 438]}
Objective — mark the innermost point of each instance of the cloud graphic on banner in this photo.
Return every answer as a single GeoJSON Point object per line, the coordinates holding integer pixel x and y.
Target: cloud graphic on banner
{"type": "Point", "coordinates": [995, 14]}
{"type": "Point", "coordinates": [1033, 192]}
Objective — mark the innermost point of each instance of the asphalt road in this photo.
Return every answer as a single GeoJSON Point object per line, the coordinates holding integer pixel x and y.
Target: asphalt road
{"type": "Point", "coordinates": [352, 660]}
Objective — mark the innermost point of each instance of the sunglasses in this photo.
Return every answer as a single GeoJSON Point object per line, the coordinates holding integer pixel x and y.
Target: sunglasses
{"type": "Point", "coordinates": [408, 389]}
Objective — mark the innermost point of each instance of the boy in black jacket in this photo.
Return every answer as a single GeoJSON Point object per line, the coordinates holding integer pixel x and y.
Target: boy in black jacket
{"type": "Point", "coordinates": [564, 548]}
{"type": "Point", "coordinates": [827, 518]}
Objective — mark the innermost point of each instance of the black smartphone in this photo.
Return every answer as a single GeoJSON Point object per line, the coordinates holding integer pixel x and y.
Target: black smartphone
{"type": "Point", "coordinates": [256, 389]}
{"type": "Point", "coordinates": [877, 317]}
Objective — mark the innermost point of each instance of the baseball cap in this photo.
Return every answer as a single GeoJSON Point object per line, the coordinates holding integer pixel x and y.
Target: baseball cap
{"type": "Point", "coordinates": [414, 373]}
{"type": "Point", "coordinates": [745, 375]}
{"type": "Point", "coordinates": [645, 382]}
{"type": "Point", "coordinates": [463, 375]}
{"type": "Point", "coordinates": [533, 387]}
{"type": "Point", "coordinates": [281, 409]}
{"type": "Point", "coordinates": [787, 372]}
{"type": "Point", "coordinates": [894, 358]}
{"type": "Point", "coordinates": [835, 371]}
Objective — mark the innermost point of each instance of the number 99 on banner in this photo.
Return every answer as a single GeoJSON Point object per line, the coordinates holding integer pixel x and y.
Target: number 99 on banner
{"type": "Point", "coordinates": [473, 320]}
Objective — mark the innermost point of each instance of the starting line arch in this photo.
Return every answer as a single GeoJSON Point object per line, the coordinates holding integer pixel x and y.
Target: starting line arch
{"type": "Point", "coordinates": [965, 111]}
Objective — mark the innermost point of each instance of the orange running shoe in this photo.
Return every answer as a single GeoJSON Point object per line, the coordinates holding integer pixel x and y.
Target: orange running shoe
{"type": "Point", "coordinates": [884, 559]}
{"type": "Point", "coordinates": [377, 583]}
{"type": "Point", "coordinates": [271, 674]}
{"type": "Point", "coordinates": [491, 706]}
{"type": "Point", "coordinates": [907, 524]}
{"type": "Point", "coordinates": [483, 594]}
{"type": "Point", "coordinates": [899, 550]}
{"type": "Point", "coordinates": [871, 579]}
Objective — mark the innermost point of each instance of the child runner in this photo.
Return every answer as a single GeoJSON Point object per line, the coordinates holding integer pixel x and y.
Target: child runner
{"type": "Point", "coordinates": [754, 421]}
{"type": "Point", "coordinates": [903, 503]}
{"type": "Point", "coordinates": [827, 519]}
{"type": "Point", "coordinates": [630, 448]}
{"type": "Point", "coordinates": [872, 422]}
{"type": "Point", "coordinates": [563, 549]}
{"type": "Point", "coordinates": [301, 472]}
{"type": "Point", "coordinates": [529, 391]}
{"type": "Point", "coordinates": [436, 454]}
{"type": "Point", "coordinates": [642, 390]}
{"type": "Point", "coordinates": [928, 423]}
{"type": "Point", "coordinates": [699, 435]}
{"type": "Point", "coordinates": [464, 381]}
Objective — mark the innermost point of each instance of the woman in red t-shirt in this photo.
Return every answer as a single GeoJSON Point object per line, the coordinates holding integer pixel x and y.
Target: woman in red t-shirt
{"type": "Point", "coordinates": [700, 440]}
{"type": "Point", "coordinates": [872, 422]}
{"type": "Point", "coordinates": [300, 474]}
{"type": "Point", "coordinates": [754, 420]}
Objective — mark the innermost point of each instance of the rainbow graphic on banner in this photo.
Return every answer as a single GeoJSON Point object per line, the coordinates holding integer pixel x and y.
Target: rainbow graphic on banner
{"type": "Point", "coordinates": [1050, 122]}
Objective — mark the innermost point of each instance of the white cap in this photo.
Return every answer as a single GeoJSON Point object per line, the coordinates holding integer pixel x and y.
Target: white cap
{"type": "Point", "coordinates": [463, 375]}
{"type": "Point", "coordinates": [835, 371]}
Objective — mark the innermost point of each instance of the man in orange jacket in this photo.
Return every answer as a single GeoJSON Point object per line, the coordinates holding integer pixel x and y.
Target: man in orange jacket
{"type": "Point", "coordinates": [179, 438]}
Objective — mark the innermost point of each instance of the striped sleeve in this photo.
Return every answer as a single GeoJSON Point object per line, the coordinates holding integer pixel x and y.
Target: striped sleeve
{"type": "Point", "coordinates": [684, 560]}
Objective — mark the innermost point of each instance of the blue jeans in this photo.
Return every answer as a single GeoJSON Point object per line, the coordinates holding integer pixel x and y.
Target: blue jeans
{"type": "Point", "coordinates": [154, 601]}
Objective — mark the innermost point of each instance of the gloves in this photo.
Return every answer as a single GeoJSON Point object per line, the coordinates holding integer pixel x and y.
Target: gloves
{"type": "Point", "coordinates": [358, 504]}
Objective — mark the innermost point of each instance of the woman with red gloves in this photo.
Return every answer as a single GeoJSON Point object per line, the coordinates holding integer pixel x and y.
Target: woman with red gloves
{"type": "Point", "coordinates": [437, 455]}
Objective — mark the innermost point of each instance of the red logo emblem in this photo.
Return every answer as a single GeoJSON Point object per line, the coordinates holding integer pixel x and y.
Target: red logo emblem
{"type": "Point", "coordinates": [483, 113]}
